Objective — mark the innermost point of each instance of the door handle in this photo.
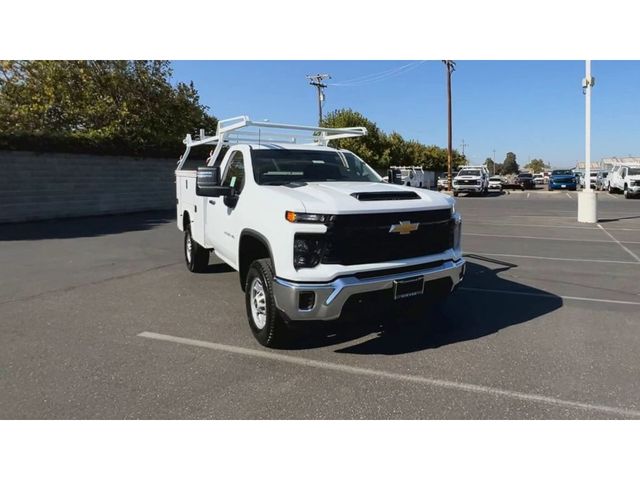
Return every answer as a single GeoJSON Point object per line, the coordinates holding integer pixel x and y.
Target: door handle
{"type": "Point", "coordinates": [212, 202]}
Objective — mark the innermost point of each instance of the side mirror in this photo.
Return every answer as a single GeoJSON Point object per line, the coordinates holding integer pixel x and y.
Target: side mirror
{"type": "Point", "coordinates": [208, 182]}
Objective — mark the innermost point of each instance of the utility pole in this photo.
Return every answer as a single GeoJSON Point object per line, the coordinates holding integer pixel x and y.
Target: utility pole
{"type": "Point", "coordinates": [463, 145]}
{"type": "Point", "coordinates": [494, 161]}
{"type": "Point", "coordinates": [451, 66]}
{"type": "Point", "coordinates": [316, 81]}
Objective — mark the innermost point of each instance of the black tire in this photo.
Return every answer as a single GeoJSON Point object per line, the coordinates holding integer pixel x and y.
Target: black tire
{"type": "Point", "coordinates": [626, 192]}
{"type": "Point", "coordinates": [274, 331]}
{"type": "Point", "coordinates": [455, 194]}
{"type": "Point", "coordinates": [197, 260]}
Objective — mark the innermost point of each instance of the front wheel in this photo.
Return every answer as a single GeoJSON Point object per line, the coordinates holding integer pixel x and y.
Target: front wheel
{"type": "Point", "coordinates": [455, 194]}
{"type": "Point", "coordinates": [626, 192]}
{"type": "Point", "coordinates": [266, 323]}
{"type": "Point", "coordinates": [195, 255]}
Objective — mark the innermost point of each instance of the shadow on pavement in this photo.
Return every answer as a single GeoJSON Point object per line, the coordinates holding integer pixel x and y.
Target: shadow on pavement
{"type": "Point", "coordinates": [467, 315]}
{"type": "Point", "coordinates": [607, 220]}
{"type": "Point", "coordinates": [86, 226]}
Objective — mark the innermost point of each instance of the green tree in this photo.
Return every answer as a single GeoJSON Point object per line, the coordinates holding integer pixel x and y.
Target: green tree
{"type": "Point", "coordinates": [128, 103]}
{"type": "Point", "coordinates": [371, 148]}
{"type": "Point", "coordinates": [536, 165]}
{"type": "Point", "coordinates": [510, 165]}
{"type": "Point", "coordinates": [381, 150]}
{"type": "Point", "coordinates": [490, 164]}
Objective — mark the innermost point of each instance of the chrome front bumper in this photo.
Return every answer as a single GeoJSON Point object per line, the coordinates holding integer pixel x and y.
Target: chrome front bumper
{"type": "Point", "coordinates": [331, 297]}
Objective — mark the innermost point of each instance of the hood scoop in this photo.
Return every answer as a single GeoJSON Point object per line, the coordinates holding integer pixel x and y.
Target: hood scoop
{"type": "Point", "coordinates": [380, 196]}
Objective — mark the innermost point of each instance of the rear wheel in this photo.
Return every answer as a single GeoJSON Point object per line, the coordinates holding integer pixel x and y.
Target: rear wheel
{"type": "Point", "coordinates": [195, 255]}
{"type": "Point", "coordinates": [266, 323]}
{"type": "Point", "coordinates": [626, 192]}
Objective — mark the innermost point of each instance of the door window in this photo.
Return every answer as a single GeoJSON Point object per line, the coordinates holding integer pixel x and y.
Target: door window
{"type": "Point", "coordinates": [234, 176]}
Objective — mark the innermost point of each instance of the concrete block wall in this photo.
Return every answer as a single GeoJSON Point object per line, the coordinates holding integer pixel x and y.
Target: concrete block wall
{"type": "Point", "coordinates": [38, 186]}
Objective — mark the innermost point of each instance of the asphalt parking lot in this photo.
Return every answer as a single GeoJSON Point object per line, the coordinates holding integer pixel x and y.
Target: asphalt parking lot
{"type": "Point", "coordinates": [100, 319]}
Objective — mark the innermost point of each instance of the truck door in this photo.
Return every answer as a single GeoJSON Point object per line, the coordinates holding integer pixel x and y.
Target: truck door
{"type": "Point", "coordinates": [222, 227]}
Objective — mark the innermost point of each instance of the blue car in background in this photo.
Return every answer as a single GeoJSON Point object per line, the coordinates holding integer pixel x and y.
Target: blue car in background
{"type": "Point", "coordinates": [563, 180]}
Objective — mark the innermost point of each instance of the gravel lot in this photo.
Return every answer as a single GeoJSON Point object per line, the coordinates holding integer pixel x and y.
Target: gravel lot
{"type": "Point", "coordinates": [100, 319]}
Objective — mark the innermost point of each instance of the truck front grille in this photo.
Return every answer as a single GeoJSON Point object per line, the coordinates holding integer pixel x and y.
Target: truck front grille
{"type": "Point", "coordinates": [359, 239]}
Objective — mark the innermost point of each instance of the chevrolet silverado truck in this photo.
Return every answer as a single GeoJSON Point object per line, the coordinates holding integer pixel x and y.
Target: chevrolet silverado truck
{"type": "Point", "coordinates": [312, 230]}
{"type": "Point", "coordinates": [625, 179]}
{"type": "Point", "coordinates": [471, 180]}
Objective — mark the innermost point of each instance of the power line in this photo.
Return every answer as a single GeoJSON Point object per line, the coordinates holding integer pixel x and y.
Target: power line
{"type": "Point", "coordinates": [378, 77]}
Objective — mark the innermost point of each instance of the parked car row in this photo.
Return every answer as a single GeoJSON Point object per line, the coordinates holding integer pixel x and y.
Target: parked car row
{"type": "Point", "coordinates": [624, 179]}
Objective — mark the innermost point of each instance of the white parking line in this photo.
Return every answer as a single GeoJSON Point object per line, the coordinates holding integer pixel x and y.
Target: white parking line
{"type": "Point", "coordinates": [621, 245]}
{"type": "Point", "coordinates": [529, 225]}
{"type": "Point", "coordinates": [540, 238]}
{"type": "Point", "coordinates": [528, 194]}
{"type": "Point", "coordinates": [416, 379]}
{"type": "Point", "coordinates": [555, 259]}
{"type": "Point", "coordinates": [548, 295]}
{"type": "Point", "coordinates": [567, 194]}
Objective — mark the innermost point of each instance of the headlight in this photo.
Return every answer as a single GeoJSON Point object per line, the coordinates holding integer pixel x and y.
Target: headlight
{"type": "Point", "coordinates": [296, 217]}
{"type": "Point", "coordinates": [307, 250]}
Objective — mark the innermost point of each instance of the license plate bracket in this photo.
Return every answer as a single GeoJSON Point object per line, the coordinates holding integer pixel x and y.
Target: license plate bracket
{"type": "Point", "coordinates": [410, 287]}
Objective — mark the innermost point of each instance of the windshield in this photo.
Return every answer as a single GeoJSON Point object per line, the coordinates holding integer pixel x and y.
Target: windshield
{"type": "Point", "coordinates": [525, 175]}
{"type": "Point", "coordinates": [634, 171]}
{"type": "Point", "coordinates": [475, 173]}
{"type": "Point", "coordinates": [280, 167]}
{"type": "Point", "coordinates": [495, 179]}
{"type": "Point", "coordinates": [562, 172]}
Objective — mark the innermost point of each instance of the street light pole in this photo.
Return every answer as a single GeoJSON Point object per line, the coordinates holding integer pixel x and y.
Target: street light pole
{"type": "Point", "coordinates": [587, 202]}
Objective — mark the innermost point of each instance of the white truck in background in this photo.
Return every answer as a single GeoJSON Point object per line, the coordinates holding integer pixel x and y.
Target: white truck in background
{"type": "Point", "coordinates": [471, 180]}
{"type": "Point", "coordinates": [312, 230]}
{"type": "Point", "coordinates": [625, 179]}
{"type": "Point", "coordinates": [411, 176]}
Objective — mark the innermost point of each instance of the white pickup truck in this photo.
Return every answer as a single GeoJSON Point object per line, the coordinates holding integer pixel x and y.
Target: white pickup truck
{"type": "Point", "coordinates": [625, 179]}
{"type": "Point", "coordinates": [471, 180]}
{"type": "Point", "coordinates": [312, 230]}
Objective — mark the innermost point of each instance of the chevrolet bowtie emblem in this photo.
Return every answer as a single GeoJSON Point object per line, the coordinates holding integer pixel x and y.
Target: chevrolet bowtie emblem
{"type": "Point", "coordinates": [404, 228]}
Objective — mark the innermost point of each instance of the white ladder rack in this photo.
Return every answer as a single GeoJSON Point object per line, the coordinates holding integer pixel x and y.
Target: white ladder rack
{"type": "Point", "coordinates": [234, 130]}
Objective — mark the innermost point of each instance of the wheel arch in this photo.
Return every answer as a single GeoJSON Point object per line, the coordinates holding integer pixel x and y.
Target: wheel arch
{"type": "Point", "coordinates": [252, 246]}
{"type": "Point", "coordinates": [186, 220]}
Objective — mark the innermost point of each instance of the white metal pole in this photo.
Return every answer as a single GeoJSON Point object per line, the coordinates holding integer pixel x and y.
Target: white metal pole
{"type": "Point", "coordinates": [587, 200]}
{"type": "Point", "coordinates": [587, 127]}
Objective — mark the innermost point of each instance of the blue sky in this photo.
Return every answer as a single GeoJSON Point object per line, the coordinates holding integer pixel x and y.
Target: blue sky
{"type": "Point", "coordinates": [533, 108]}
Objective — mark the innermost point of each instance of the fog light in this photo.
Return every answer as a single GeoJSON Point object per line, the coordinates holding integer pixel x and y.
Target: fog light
{"type": "Point", "coordinates": [306, 300]}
